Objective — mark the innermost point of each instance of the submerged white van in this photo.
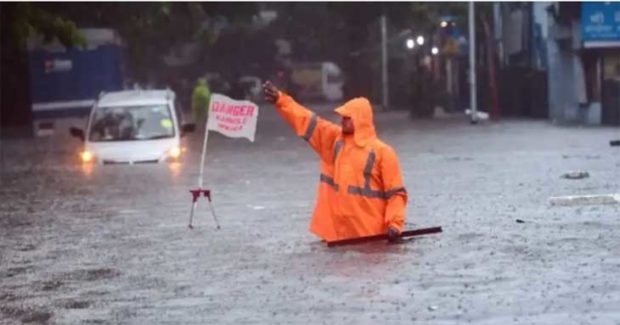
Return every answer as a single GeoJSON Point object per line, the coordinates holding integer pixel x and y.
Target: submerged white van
{"type": "Point", "coordinates": [132, 127]}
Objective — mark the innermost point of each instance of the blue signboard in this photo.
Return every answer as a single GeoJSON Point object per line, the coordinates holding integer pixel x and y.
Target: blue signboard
{"type": "Point", "coordinates": [600, 24]}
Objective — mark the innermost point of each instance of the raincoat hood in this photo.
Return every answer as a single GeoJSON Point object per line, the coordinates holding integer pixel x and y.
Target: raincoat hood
{"type": "Point", "coordinates": [360, 111]}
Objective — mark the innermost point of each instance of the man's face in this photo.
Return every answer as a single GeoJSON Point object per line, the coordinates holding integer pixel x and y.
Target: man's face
{"type": "Point", "coordinates": [347, 125]}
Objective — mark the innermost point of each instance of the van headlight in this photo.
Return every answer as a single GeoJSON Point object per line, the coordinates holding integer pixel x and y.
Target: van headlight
{"type": "Point", "coordinates": [174, 152]}
{"type": "Point", "coordinates": [86, 156]}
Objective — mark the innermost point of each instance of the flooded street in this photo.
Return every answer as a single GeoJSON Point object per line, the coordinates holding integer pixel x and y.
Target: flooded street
{"type": "Point", "coordinates": [110, 244]}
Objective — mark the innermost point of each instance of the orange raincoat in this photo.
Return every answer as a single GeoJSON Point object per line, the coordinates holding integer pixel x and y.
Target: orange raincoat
{"type": "Point", "coordinates": [361, 189]}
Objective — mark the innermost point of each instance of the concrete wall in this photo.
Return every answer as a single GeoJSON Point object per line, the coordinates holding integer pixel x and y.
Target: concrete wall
{"type": "Point", "coordinates": [541, 16]}
{"type": "Point", "coordinates": [568, 103]}
{"type": "Point", "coordinates": [563, 103]}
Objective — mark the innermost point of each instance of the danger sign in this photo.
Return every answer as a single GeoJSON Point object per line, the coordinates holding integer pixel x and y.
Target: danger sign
{"type": "Point", "coordinates": [233, 118]}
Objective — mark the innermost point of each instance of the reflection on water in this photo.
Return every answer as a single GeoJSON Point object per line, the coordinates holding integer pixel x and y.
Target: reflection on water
{"type": "Point", "coordinates": [175, 169]}
{"type": "Point", "coordinates": [87, 169]}
{"type": "Point", "coordinates": [361, 262]}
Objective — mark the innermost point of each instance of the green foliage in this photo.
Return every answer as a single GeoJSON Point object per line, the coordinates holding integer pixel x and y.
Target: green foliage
{"type": "Point", "coordinates": [27, 20]}
{"type": "Point", "coordinates": [348, 27]}
{"type": "Point", "coordinates": [152, 29]}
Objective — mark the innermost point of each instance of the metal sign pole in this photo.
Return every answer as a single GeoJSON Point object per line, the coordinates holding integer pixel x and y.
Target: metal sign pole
{"type": "Point", "coordinates": [472, 64]}
{"type": "Point", "coordinates": [384, 63]}
{"type": "Point", "coordinates": [207, 193]}
{"type": "Point", "coordinates": [204, 154]}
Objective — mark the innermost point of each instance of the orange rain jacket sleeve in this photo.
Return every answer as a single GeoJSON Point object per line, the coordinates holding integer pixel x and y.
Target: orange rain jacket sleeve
{"type": "Point", "coordinates": [393, 181]}
{"type": "Point", "coordinates": [361, 191]}
{"type": "Point", "coordinates": [319, 133]}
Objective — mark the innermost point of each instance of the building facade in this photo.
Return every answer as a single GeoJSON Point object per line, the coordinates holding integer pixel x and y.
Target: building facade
{"type": "Point", "coordinates": [576, 45]}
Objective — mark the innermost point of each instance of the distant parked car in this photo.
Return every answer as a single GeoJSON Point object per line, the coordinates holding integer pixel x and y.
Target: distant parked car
{"type": "Point", "coordinates": [134, 126]}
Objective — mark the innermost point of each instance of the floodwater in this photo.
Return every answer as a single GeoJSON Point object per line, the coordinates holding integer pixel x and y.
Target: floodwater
{"type": "Point", "coordinates": [110, 244]}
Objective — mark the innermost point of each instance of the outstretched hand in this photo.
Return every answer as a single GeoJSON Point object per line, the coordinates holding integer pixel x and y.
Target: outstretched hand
{"type": "Point", "coordinates": [270, 92]}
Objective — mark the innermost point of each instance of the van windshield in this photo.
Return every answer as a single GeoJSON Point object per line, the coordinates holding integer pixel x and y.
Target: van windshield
{"type": "Point", "coordinates": [126, 123]}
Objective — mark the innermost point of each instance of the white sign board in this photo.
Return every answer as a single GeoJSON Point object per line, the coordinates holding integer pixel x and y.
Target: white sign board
{"type": "Point", "coordinates": [233, 118]}
{"type": "Point", "coordinates": [58, 66]}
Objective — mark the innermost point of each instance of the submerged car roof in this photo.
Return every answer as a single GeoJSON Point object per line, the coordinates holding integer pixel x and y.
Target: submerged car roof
{"type": "Point", "coordinates": [135, 98]}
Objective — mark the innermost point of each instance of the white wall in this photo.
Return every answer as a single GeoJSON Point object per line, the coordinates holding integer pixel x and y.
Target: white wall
{"type": "Point", "coordinates": [566, 80]}
{"type": "Point", "coordinates": [542, 17]}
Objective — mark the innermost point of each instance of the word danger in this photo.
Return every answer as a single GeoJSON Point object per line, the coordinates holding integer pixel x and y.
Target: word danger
{"type": "Point", "coordinates": [234, 110]}
{"type": "Point", "coordinates": [235, 119]}
{"type": "Point", "coordinates": [232, 117]}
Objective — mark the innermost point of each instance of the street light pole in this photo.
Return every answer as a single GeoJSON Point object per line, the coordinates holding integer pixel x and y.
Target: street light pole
{"type": "Point", "coordinates": [384, 62]}
{"type": "Point", "coordinates": [472, 64]}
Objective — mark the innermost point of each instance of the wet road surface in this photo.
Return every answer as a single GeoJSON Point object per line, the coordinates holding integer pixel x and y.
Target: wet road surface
{"type": "Point", "coordinates": [110, 244]}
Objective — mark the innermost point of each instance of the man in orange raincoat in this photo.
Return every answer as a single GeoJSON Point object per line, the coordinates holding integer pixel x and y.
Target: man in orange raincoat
{"type": "Point", "coordinates": [361, 191]}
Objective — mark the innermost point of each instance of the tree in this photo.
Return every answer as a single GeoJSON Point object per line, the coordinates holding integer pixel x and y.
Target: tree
{"type": "Point", "coordinates": [149, 30]}
{"type": "Point", "coordinates": [19, 22]}
{"type": "Point", "coordinates": [152, 29]}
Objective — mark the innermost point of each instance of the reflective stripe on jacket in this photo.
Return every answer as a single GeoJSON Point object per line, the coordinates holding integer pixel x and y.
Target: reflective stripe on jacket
{"type": "Point", "coordinates": [361, 190]}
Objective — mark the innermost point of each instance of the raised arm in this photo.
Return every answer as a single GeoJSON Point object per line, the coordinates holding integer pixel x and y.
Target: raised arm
{"type": "Point", "coordinates": [318, 132]}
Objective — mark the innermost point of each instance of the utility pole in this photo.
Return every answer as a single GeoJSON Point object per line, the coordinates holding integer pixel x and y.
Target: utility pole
{"type": "Point", "coordinates": [472, 64]}
{"type": "Point", "coordinates": [384, 63]}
